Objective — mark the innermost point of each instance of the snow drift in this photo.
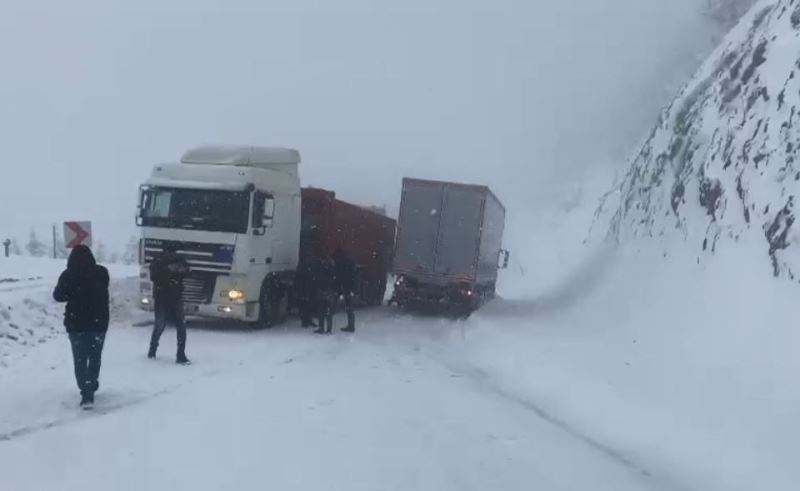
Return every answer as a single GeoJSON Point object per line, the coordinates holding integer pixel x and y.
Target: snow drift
{"type": "Point", "coordinates": [679, 350]}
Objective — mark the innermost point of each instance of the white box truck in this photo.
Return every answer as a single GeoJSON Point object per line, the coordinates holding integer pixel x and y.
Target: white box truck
{"type": "Point", "coordinates": [448, 247]}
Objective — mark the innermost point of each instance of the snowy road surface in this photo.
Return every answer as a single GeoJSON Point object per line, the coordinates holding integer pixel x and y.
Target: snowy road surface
{"type": "Point", "coordinates": [285, 409]}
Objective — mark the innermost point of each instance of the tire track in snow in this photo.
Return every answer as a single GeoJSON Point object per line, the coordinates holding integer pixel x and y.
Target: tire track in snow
{"type": "Point", "coordinates": [484, 381]}
{"type": "Point", "coordinates": [81, 415]}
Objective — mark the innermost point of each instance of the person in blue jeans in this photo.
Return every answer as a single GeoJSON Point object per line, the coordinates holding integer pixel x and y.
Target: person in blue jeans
{"type": "Point", "coordinates": [167, 273]}
{"type": "Point", "coordinates": [84, 288]}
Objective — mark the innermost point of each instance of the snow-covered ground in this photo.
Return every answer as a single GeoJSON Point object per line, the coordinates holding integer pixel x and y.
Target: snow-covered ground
{"type": "Point", "coordinates": [610, 371]}
{"type": "Point", "coordinates": [689, 371]}
{"type": "Point", "coordinates": [284, 409]}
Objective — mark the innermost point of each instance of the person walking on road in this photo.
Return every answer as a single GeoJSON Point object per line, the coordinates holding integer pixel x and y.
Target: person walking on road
{"type": "Point", "coordinates": [84, 288]}
{"type": "Point", "coordinates": [345, 279]}
{"type": "Point", "coordinates": [167, 273]}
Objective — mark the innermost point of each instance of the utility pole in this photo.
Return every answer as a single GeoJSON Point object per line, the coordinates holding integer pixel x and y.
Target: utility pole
{"type": "Point", "coordinates": [55, 255]}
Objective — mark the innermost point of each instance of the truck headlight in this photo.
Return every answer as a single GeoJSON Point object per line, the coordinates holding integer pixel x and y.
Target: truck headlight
{"type": "Point", "coordinates": [236, 295]}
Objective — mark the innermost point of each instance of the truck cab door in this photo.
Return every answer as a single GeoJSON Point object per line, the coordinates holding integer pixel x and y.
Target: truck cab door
{"type": "Point", "coordinates": [263, 221]}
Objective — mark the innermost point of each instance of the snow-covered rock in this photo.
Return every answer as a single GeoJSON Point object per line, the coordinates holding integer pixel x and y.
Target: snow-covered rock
{"type": "Point", "coordinates": [721, 165]}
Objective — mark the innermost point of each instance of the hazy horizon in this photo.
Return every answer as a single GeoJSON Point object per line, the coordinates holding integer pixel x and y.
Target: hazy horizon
{"type": "Point", "coordinates": [512, 94]}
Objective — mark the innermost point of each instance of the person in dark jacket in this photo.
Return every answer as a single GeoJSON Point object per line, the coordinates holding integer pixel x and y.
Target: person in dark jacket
{"type": "Point", "coordinates": [305, 284]}
{"type": "Point", "coordinates": [167, 273]}
{"type": "Point", "coordinates": [324, 273]}
{"type": "Point", "coordinates": [345, 278]}
{"type": "Point", "coordinates": [84, 288]}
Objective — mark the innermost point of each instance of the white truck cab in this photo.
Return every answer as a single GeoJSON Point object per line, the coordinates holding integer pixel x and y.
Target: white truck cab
{"type": "Point", "coordinates": [233, 212]}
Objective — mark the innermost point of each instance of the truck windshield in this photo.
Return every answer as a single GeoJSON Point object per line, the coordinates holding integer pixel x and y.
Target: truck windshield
{"type": "Point", "coordinates": [197, 209]}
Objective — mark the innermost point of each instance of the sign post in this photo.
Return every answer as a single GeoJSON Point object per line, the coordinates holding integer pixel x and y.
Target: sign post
{"type": "Point", "coordinates": [77, 233]}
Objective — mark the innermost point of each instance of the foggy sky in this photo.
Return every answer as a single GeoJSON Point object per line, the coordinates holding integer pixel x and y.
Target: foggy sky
{"type": "Point", "coordinates": [517, 94]}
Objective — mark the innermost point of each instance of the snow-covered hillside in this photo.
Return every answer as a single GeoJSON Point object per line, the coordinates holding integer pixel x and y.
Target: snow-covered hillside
{"type": "Point", "coordinates": [721, 166]}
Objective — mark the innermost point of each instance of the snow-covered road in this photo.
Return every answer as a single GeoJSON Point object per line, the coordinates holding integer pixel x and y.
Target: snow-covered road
{"type": "Point", "coordinates": [610, 391]}
{"type": "Point", "coordinates": [285, 409]}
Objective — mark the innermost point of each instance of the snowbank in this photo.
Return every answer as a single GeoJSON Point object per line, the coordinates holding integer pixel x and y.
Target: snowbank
{"type": "Point", "coordinates": [32, 268]}
{"type": "Point", "coordinates": [679, 349]}
{"type": "Point", "coordinates": [28, 314]}
{"type": "Point", "coordinates": [687, 370]}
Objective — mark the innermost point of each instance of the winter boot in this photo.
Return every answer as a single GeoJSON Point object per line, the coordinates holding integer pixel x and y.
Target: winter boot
{"type": "Point", "coordinates": [182, 360]}
{"type": "Point", "coordinates": [151, 353]}
{"type": "Point", "coordinates": [321, 330]}
{"type": "Point", "coordinates": [87, 400]}
{"type": "Point", "coordinates": [349, 329]}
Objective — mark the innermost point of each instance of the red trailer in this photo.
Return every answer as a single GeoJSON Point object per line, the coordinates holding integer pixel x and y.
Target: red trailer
{"type": "Point", "coordinates": [365, 235]}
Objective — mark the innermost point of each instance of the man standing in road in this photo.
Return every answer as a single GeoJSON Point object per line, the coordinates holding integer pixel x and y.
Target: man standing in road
{"type": "Point", "coordinates": [84, 288]}
{"type": "Point", "coordinates": [345, 285]}
{"type": "Point", "coordinates": [167, 272]}
{"type": "Point", "coordinates": [325, 292]}
{"type": "Point", "coordinates": [305, 285]}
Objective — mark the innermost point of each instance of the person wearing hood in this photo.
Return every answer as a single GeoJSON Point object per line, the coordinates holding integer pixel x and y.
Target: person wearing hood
{"type": "Point", "coordinates": [83, 286]}
{"type": "Point", "coordinates": [167, 273]}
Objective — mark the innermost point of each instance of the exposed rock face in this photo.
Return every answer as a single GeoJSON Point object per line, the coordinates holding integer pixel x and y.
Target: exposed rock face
{"type": "Point", "coordinates": [722, 161]}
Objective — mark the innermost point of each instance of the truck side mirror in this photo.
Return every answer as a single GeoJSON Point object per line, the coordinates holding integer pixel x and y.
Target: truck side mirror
{"type": "Point", "coordinates": [143, 197]}
{"type": "Point", "coordinates": [263, 211]}
{"type": "Point", "coordinates": [269, 212]}
{"type": "Point", "coordinates": [504, 254]}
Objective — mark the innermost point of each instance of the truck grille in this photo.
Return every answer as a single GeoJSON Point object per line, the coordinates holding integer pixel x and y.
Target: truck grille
{"type": "Point", "coordinates": [198, 289]}
{"type": "Point", "coordinates": [211, 258]}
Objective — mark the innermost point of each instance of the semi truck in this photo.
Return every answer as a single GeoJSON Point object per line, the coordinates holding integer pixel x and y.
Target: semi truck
{"type": "Point", "coordinates": [449, 245]}
{"type": "Point", "coordinates": [236, 214]}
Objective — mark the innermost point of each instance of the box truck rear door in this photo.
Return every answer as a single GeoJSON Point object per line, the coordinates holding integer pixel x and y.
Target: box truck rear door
{"type": "Point", "coordinates": [459, 233]}
{"type": "Point", "coordinates": [419, 225]}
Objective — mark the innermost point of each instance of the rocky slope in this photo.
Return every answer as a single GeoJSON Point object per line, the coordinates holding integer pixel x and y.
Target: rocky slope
{"type": "Point", "coordinates": [721, 165]}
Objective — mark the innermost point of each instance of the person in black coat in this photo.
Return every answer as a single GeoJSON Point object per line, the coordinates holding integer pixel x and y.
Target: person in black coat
{"type": "Point", "coordinates": [324, 274]}
{"type": "Point", "coordinates": [305, 282]}
{"type": "Point", "coordinates": [305, 290]}
{"type": "Point", "coordinates": [345, 279]}
{"type": "Point", "coordinates": [167, 273]}
{"type": "Point", "coordinates": [84, 288]}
